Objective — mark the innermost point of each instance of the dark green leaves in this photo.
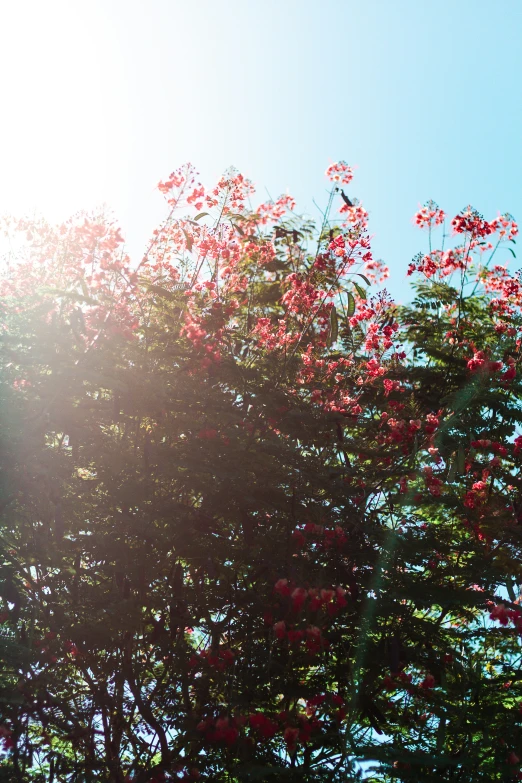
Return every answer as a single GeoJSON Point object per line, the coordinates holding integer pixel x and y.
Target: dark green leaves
{"type": "Point", "coordinates": [360, 290]}
{"type": "Point", "coordinates": [188, 239]}
{"type": "Point", "coordinates": [334, 327]}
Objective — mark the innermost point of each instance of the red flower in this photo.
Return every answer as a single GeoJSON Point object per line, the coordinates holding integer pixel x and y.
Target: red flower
{"type": "Point", "coordinates": [501, 614]}
{"type": "Point", "coordinates": [327, 595]}
{"type": "Point", "coordinates": [295, 636]}
{"type": "Point", "coordinates": [71, 648]}
{"type": "Point", "coordinates": [340, 172]}
{"type": "Point", "coordinates": [517, 443]}
{"type": "Point", "coordinates": [299, 596]}
{"type": "Point", "coordinates": [264, 726]}
{"type": "Point", "coordinates": [280, 629]}
{"type": "Point", "coordinates": [429, 215]}
{"type": "Point", "coordinates": [282, 587]}
{"type": "Point", "coordinates": [428, 682]}
{"type": "Point", "coordinates": [290, 736]}
{"type": "Point", "coordinates": [208, 434]}
{"type": "Point", "coordinates": [268, 618]}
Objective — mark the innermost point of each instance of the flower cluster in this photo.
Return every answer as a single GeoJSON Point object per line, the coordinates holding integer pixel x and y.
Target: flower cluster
{"type": "Point", "coordinates": [481, 363]}
{"type": "Point", "coordinates": [429, 216]}
{"type": "Point", "coordinates": [319, 536]}
{"type": "Point", "coordinates": [504, 615]}
{"type": "Point", "coordinates": [469, 221]}
{"type": "Point", "coordinates": [219, 659]}
{"type": "Point", "coordinates": [182, 183]}
{"type": "Point", "coordinates": [231, 193]}
{"type": "Point", "coordinates": [272, 211]}
{"type": "Point", "coordinates": [340, 172]}
{"type": "Point", "coordinates": [293, 728]}
{"type": "Point", "coordinates": [477, 495]}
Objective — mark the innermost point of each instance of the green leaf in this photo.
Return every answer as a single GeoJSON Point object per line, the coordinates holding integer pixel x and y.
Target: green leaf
{"type": "Point", "coordinates": [84, 288]}
{"type": "Point", "coordinates": [189, 240]}
{"type": "Point", "coordinates": [238, 228]}
{"type": "Point", "coordinates": [74, 295]}
{"type": "Point", "coordinates": [202, 214]}
{"type": "Point", "coordinates": [364, 278]}
{"type": "Point", "coordinates": [351, 304]}
{"type": "Point", "coordinates": [334, 327]}
{"type": "Point", "coordinates": [9, 591]}
{"type": "Point", "coordinates": [441, 734]}
{"type": "Point", "coordinates": [452, 469]}
{"type": "Point", "coordinates": [511, 251]}
{"type": "Point", "coordinates": [360, 290]}
{"type": "Point", "coordinates": [164, 293]}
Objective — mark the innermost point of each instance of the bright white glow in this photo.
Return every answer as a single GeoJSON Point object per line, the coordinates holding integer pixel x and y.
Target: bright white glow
{"type": "Point", "coordinates": [62, 140]}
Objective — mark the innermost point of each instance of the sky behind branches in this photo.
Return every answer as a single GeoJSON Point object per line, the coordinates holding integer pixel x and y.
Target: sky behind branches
{"type": "Point", "coordinates": [102, 99]}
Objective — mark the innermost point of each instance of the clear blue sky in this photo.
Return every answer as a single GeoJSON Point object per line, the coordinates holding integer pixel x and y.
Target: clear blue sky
{"type": "Point", "coordinates": [104, 98]}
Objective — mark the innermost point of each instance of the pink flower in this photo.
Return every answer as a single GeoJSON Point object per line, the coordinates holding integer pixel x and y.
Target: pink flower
{"type": "Point", "coordinates": [280, 629]}
{"type": "Point", "coordinates": [282, 587]}
{"type": "Point", "coordinates": [501, 614]}
{"type": "Point", "coordinates": [290, 736]}
{"type": "Point", "coordinates": [339, 172]}
{"type": "Point", "coordinates": [517, 443]}
{"type": "Point", "coordinates": [428, 682]}
{"type": "Point", "coordinates": [207, 434]}
{"type": "Point", "coordinates": [327, 595]}
{"type": "Point", "coordinates": [429, 215]}
{"type": "Point", "coordinates": [295, 636]}
{"type": "Point", "coordinates": [298, 598]}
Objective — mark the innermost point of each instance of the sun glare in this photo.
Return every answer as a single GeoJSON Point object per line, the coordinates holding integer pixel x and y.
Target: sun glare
{"type": "Point", "coordinates": [62, 140]}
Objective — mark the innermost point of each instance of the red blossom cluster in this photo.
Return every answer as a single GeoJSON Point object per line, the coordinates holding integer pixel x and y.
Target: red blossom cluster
{"type": "Point", "coordinates": [404, 680]}
{"type": "Point", "coordinates": [442, 263]}
{"type": "Point", "coordinates": [433, 483]}
{"type": "Point", "coordinates": [477, 495]}
{"type": "Point", "coordinates": [6, 736]}
{"type": "Point", "coordinates": [218, 658]}
{"type": "Point", "coordinates": [489, 445]}
{"type": "Point", "coordinates": [274, 338]}
{"type": "Point", "coordinates": [504, 615]}
{"type": "Point", "coordinates": [429, 216]}
{"type": "Point", "coordinates": [294, 729]}
{"type": "Point", "coordinates": [319, 536]}
{"type": "Point", "coordinates": [301, 295]}
{"type": "Point", "coordinates": [398, 430]}
{"type": "Point", "coordinates": [272, 211]}
{"type": "Point", "coordinates": [355, 215]}
{"type": "Point", "coordinates": [230, 193]}
{"type": "Point", "coordinates": [480, 363]}
{"type": "Point", "coordinates": [299, 600]}
{"type": "Point", "coordinates": [469, 221]}
{"type": "Point", "coordinates": [182, 182]}
{"type": "Point", "coordinates": [340, 172]}
{"type": "Point", "coordinates": [222, 730]}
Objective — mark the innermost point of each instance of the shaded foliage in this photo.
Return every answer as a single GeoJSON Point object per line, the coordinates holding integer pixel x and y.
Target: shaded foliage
{"type": "Point", "coordinates": [256, 523]}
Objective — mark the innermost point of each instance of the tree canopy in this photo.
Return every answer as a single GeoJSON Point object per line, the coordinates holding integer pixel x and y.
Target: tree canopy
{"type": "Point", "coordinates": [259, 523]}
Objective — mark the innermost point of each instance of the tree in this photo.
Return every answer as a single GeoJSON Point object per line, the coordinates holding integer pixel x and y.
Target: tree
{"type": "Point", "coordinates": [259, 525]}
